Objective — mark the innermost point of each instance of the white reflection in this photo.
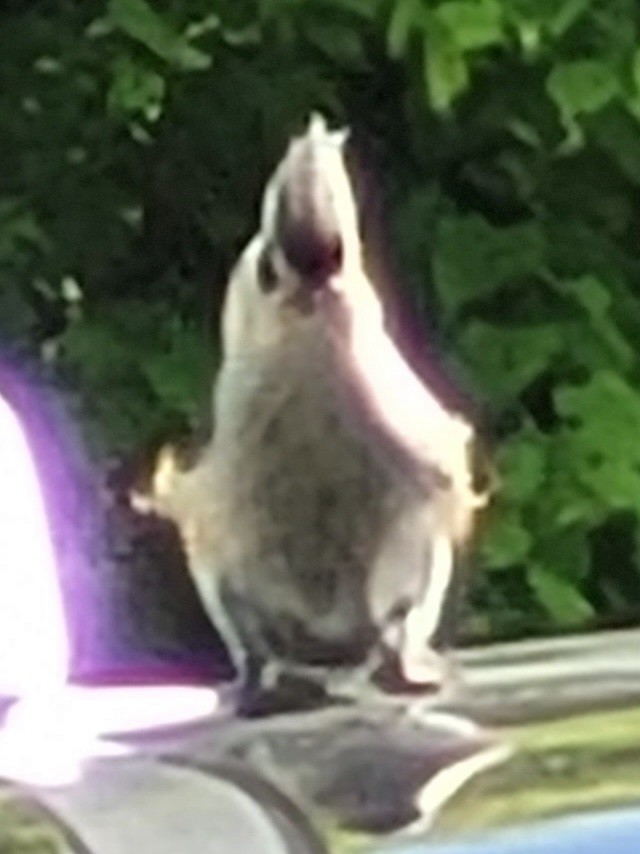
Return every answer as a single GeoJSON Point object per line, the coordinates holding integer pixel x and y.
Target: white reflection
{"type": "Point", "coordinates": [34, 652]}
{"type": "Point", "coordinates": [54, 728]}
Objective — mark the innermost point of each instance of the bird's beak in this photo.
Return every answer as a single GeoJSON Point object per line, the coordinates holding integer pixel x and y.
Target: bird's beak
{"type": "Point", "coordinates": [303, 201]}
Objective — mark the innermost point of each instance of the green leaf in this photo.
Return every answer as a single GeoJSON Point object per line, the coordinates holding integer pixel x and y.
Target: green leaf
{"type": "Point", "coordinates": [135, 90]}
{"type": "Point", "coordinates": [554, 16]}
{"type": "Point", "coordinates": [142, 23]}
{"type": "Point", "coordinates": [92, 347]}
{"type": "Point", "coordinates": [582, 86]}
{"type": "Point", "coordinates": [522, 462]}
{"type": "Point", "coordinates": [632, 93]}
{"type": "Point", "coordinates": [602, 425]}
{"type": "Point", "coordinates": [564, 549]}
{"type": "Point", "coordinates": [507, 542]}
{"type": "Point", "coordinates": [617, 132]}
{"type": "Point", "coordinates": [559, 562]}
{"type": "Point", "coordinates": [567, 501]}
{"type": "Point", "coordinates": [595, 299]}
{"type": "Point", "coordinates": [591, 294]}
{"type": "Point", "coordinates": [605, 412]}
{"type": "Point", "coordinates": [559, 596]}
{"type": "Point", "coordinates": [617, 486]}
{"type": "Point", "coordinates": [472, 24]}
{"type": "Point", "coordinates": [179, 374]}
{"type": "Point", "coordinates": [567, 12]}
{"type": "Point", "coordinates": [197, 29]}
{"type": "Point", "coordinates": [405, 16]}
{"type": "Point", "coordinates": [339, 43]}
{"type": "Point", "coordinates": [473, 258]}
{"type": "Point", "coordinates": [585, 348]}
{"type": "Point", "coordinates": [445, 68]}
{"type": "Point", "coordinates": [503, 360]}
{"type": "Point", "coordinates": [18, 228]}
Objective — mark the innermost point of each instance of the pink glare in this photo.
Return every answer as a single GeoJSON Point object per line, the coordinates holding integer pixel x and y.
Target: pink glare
{"type": "Point", "coordinates": [34, 651]}
{"type": "Point", "coordinates": [55, 728]}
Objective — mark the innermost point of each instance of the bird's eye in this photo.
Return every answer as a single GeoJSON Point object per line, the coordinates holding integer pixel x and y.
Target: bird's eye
{"type": "Point", "coordinates": [267, 276]}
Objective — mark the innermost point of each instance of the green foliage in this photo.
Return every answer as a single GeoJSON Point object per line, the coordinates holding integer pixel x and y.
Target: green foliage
{"type": "Point", "coordinates": [511, 357]}
{"type": "Point", "coordinates": [579, 87]}
{"type": "Point", "coordinates": [142, 23]}
{"type": "Point", "coordinates": [135, 90]}
{"type": "Point", "coordinates": [136, 137]}
{"type": "Point", "coordinates": [601, 420]}
{"type": "Point", "coordinates": [493, 257]}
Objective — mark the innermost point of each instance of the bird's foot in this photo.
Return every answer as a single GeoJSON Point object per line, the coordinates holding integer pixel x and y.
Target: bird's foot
{"type": "Point", "coordinates": [428, 674]}
{"type": "Point", "coordinates": [284, 693]}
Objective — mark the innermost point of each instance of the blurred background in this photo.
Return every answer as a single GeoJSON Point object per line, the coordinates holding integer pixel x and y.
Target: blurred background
{"type": "Point", "coordinates": [502, 139]}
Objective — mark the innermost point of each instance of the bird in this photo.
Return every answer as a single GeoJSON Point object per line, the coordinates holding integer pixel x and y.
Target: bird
{"type": "Point", "coordinates": [322, 519]}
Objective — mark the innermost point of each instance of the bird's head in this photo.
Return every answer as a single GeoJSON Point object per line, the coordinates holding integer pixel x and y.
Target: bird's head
{"type": "Point", "coordinates": [307, 254]}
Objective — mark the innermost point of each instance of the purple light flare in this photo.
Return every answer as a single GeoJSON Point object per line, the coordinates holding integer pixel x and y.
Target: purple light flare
{"type": "Point", "coordinates": [34, 653]}
{"type": "Point", "coordinates": [54, 728]}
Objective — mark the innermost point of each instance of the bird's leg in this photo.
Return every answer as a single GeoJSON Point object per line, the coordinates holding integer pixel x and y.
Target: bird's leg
{"type": "Point", "coordinates": [408, 659]}
{"type": "Point", "coordinates": [421, 663]}
{"type": "Point", "coordinates": [280, 687]}
{"type": "Point", "coordinates": [220, 607]}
